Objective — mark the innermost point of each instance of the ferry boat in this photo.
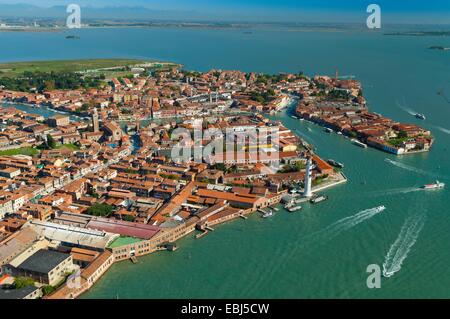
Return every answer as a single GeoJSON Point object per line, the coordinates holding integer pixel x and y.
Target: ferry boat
{"type": "Point", "coordinates": [358, 143]}
{"type": "Point", "coordinates": [437, 185]}
{"type": "Point", "coordinates": [332, 162]}
{"type": "Point", "coordinates": [294, 209]}
{"type": "Point", "coordinates": [420, 116]}
{"type": "Point", "coordinates": [319, 199]}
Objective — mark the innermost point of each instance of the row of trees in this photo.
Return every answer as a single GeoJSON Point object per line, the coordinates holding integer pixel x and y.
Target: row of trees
{"type": "Point", "coordinates": [42, 81]}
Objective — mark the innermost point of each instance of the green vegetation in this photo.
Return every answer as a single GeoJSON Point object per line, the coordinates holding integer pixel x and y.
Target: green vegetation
{"type": "Point", "coordinates": [129, 218]}
{"type": "Point", "coordinates": [208, 181]}
{"type": "Point", "coordinates": [297, 167]}
{"type": "Point", "coordinates": [22, 282]}
{"type": "Point", "coordinates": [131, 171]}
{"type": "Point", "coordinates": [319, 180]}
{"type": "Point", "coordinates": [70, 146]}
{"type": "Point", "coordinates": [123, 241]}
{"type": "Point", "coordinates": [170, 176]}
{"type": "Point", "coordinates": [17, 68]}
{"type": "Point", "coordinates": [103, 210]}
{"type": "Point", "coordinates": [339, 94]}
{"type": "Point", "coordinates": [402, 134]}
{"type": "Point", "coordinates": [353, 134]}
{"type": "Point", "coordinates": [51, 143]}
{"type": "Point", "coordinates": [20, 151]}
{"type": "Point", "coordinates": [42, 81]}
{"type": "Point", "coordinates": [264, 97]}
{"type": "Point", "coordinates": [47, 290]}
{"type": "Point", "coordinates": [397, 142]}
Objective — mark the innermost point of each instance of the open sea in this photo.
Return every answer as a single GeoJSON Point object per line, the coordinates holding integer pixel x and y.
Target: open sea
{"type": "Point", "coordinates": [324, 250]}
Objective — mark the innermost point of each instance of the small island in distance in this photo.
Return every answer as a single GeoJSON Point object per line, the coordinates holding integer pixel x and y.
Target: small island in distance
{"type": "Point", "coordinates": [72, 37]}
{"type": "Point", "coordinates": [440, 48]}
{"type": "Point", "coordinates": [421, 33]}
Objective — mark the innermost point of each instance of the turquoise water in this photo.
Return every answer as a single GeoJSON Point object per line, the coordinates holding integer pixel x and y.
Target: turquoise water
{"type": "Point", "coordinates": [316, 253]}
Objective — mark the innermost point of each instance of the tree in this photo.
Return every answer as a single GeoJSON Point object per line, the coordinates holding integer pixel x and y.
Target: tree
{"type": "Point", "coordinates": [51, 143]}
{"type": "Point", "coordinates": [47, 290]}
{"type": "Point", "coordinates": [402, 134]}
{"type": "Point", "coordinates": [22, 282]}
{"type": "Point", "coordinates": [128, 218]}
{"type": "Point", "coordinates": [103, 210]}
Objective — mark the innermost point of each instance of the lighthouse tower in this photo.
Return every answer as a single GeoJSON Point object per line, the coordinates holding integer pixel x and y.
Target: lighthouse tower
{"type": "Point", "coordinates": [307, 192]}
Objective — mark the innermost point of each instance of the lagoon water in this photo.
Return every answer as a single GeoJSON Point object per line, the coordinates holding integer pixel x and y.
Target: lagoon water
{"type": "Point", "coordinates": [324, 250]}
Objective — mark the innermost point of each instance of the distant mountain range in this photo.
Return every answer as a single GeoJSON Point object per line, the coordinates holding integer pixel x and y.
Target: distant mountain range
{"type": "Point", "coordinates": [88, 12]}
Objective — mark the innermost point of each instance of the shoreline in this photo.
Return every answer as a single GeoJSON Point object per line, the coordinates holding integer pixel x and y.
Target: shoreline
{"type": "Point", "coordinates": [366, 143]}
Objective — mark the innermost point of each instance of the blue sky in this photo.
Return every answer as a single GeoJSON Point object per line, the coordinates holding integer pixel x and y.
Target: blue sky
{"type": "Point", "coordinates": [411, 11]}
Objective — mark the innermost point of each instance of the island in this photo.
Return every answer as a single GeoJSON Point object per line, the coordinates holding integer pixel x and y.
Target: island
{"type": "Point", "coordinates": [104, 161]}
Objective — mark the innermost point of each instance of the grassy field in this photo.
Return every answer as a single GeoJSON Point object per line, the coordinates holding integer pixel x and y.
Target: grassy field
{"type": "Point", "coordinates": [69, 146]}
{"type": "Point", "coordinates": [20, 151]}
{"type": "Point", "coordinates": [14, 68]}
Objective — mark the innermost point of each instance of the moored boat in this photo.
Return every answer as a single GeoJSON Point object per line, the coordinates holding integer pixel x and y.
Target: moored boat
{"type": "Point", "coordinates": [334, 163]}
{"type": "Point", "coordinates": [358, 143]}
{"type": "Point", "coordinates": [294, 209]}
{"type": "Point", "coordinates": [319, 199]}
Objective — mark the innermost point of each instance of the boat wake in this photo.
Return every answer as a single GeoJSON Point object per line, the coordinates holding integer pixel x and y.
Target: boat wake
{"type": "Point", "coordinates": [442, 129]}
{"type": "Point", "coordinates": [406, 109]}
{"type": "Point", "coordinates": [305, 137]}
{"type": "Point", "coordinates": [402, 245]}
{"type": "Point", "coordinates": [410, 168]}
{"type": "Point", "coordinates": [396, 191]}
{"type": "Point", "coordinates": [318, 237]}
{"type": "Point", "coordinates": [346, 223]}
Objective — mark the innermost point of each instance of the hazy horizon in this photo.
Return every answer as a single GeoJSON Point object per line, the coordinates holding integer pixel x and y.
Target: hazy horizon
{"type": "Point", "coordinates": [290, 11]}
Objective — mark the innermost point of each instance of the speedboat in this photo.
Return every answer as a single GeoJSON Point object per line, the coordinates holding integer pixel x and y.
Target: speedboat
{"type": "Point", "coordinates": [420, 116]}
{"type": "Point", "coordinates": [268, 214]}
{"type": "Point", "coordinates": [437, 185]}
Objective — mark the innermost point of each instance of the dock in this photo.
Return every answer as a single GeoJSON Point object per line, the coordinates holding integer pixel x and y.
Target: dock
{"type": "Point", "coordinates": [204, 233]}
{"type": "Point", "coordinates": [134, 259]}
{"type": "Point", "coordinates": [264, 210]}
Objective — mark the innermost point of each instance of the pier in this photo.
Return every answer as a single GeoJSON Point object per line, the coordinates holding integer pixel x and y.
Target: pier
{"type": "Point", "coordinates": [202, 234]}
